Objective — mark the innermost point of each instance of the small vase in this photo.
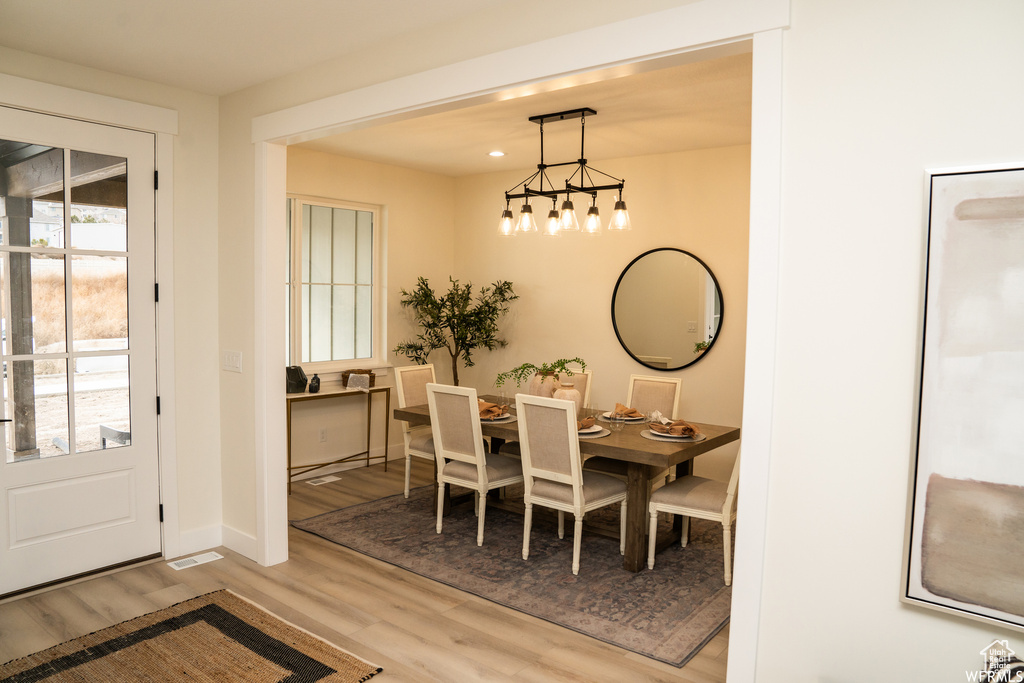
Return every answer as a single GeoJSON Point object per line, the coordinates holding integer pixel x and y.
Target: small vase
{"type": "Point", "coordinates": [314, 384]}
{"type": "Point", "coordinates": [542, 384]}
{"type": "Point", "coordinates": [568, 391]}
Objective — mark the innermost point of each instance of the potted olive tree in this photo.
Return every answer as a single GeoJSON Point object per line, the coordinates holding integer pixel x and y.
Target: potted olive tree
{"type": "Point", "coordinates": [456, 321]}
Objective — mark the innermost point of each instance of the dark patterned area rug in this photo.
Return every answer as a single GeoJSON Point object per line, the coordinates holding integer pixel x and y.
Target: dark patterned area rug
{"type": "Point", "coordinates": [667, 614]}
{"type": "Point", "coordinates": [215, 637]}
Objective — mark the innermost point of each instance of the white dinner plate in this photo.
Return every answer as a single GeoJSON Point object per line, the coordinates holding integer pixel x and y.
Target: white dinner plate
{"type": "Point", "coordinates": [608, 416]}
{"type": "Point", "coordinates": [591, 430]}
{"type": "Point", "coordinates": [504, 418]}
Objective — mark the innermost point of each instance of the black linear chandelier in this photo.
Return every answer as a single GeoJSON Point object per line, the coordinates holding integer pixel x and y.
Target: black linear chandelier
{"type": "Point", "coordinates": [580, 181]}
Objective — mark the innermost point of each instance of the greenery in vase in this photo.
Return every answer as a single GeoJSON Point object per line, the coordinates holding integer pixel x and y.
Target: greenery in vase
{"type": "Point", "coordinates": [527, 370]}
{"type": "Point", "coordinates": [456, 321]}
{"type": "Point", "coordinates": [701, 346]}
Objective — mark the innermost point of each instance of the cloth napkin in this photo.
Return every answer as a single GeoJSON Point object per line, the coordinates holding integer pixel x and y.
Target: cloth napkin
{"type": "Point", "coordinates": [676, 428]}
{"type": "Point", "coordinates": [622, 411]}
{"type": "Point", "coordinates": [585, 423]}
{"type": "Point", "coordinates": [491, 411]}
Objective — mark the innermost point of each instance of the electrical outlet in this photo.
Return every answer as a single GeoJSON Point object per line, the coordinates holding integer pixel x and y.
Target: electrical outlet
{"type": "Point", "coordinates": [323, 435]}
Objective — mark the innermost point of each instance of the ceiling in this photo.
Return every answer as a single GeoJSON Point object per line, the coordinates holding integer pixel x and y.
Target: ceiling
{"type": "Point", "coordinates": [699, 105]}
{"type": "Point", "coordinates": [221, 46]}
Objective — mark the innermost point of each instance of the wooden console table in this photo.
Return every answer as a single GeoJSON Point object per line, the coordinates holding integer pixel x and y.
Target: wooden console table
{"type": "Point", "coordinates": [337, 390]}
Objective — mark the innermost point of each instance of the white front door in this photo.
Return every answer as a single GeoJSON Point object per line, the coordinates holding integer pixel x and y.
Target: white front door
{"type": "Point", "coordinates": [79, 487]}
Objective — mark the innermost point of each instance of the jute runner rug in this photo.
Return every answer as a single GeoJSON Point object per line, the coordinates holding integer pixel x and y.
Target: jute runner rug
{"type": "Point", "coordinates": [215, 637]}
{"type": "Point", "coordinates": [667, 614]}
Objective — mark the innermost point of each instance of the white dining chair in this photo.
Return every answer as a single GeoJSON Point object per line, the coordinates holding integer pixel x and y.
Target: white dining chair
{"type": "Point", "coordinates": [553, 472]}
{"type": "Point", "coordinates": [648, 394]}
{"type": "Point", "coordinates": [693, 496]}
{"type": "Point", "coordinates": [411, 384]}
{"type": "Point", "coordinates": [459, 450]}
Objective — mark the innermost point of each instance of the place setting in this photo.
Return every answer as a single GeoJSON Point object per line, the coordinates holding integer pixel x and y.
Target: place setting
{"type": "Point", "coordinates": [664, 429]}
{"type": "Point", "coordinates": [587, 428]}
{"type": "Point", "coordinates": [494, 412]}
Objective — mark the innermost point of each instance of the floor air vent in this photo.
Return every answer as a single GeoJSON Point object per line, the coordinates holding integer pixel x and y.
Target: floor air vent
{"type": "Point", "coordinates": [326, 479]}
{"type": "Point", "coordinates": [194, 560]}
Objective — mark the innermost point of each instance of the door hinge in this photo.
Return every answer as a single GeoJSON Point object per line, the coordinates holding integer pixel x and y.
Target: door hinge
{"type": "Point", "coordinates": [156, 180]}
{"type": "Point", "coordinates": [156, 291]}
{"type": "Point", "coordinates": [157, 405]}
{"type": "Point", "coordinates": [161, 512]}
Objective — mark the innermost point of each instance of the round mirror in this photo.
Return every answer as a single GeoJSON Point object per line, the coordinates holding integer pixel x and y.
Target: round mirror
{"type": "Point", "coordinates": [667, 309]}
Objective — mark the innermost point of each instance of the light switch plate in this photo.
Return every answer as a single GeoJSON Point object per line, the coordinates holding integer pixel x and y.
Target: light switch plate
{"type": "Point", "coordinates": [232, 361]}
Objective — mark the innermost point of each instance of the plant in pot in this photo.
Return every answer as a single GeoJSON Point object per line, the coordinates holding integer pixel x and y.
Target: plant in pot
{"type": "Point", "coordinates": [456, 321]}
{"type": "Point", "coordinates": [542, 379]}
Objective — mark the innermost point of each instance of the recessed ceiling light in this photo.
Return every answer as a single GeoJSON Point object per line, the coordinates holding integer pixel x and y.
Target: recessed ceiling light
{"type": "Point", "coordinates": [496, 153]}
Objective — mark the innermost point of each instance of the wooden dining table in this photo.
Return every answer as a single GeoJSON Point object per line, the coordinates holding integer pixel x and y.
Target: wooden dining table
{"type": "Point", "coordinates": [643, 458]}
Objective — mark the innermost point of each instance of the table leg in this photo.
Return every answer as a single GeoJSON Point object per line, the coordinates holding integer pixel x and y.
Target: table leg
{"type": "Point", "coordinates": [288, 439]}
{"type": "Point", "coordinates": [638, 483]}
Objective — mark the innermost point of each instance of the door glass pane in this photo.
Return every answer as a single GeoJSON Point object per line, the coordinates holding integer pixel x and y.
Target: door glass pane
{"type": "Point", "coordinates": [34, 319]}
{"type": "Point", "coordinates": [99, 195]}
{"type": "Point", "coordinates": [32, 200]}
{"type": "Point", "coordinates": [102, 419]}
{"type": "Point", "coordinates": [99, 303]}
{"type": "Point", "coordinates": [36, 398]}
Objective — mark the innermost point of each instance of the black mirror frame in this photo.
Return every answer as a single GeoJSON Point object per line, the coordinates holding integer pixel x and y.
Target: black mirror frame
{"type": "Point", "coordinates": [721, 305]}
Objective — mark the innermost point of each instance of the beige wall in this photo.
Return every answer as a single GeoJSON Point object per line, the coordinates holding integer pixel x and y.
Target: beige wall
{"type": "Point", "coordinates": [195, 278]}
{"type": "Point", "coordinates": [875, 93]}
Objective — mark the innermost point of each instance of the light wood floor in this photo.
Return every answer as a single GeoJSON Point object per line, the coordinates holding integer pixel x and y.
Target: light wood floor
{"type": "Point", "coordinates": [414, 628]}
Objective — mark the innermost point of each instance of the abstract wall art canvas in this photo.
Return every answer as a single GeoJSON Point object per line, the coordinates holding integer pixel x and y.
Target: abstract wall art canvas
{"type": "Point", "coordinates": [965, 524]}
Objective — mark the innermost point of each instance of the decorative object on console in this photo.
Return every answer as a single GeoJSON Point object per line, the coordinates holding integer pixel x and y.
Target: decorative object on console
{"type": "Point", "coordinates": [314, 384]}
{"type": "Point", "coordinates": [564, 219]}
{"type": "Point", "coordinates": [295, 379]}
{"type": "Point", "coordinates": [346, 378]}
{"type": "Point", "coordinates": [455, 321]}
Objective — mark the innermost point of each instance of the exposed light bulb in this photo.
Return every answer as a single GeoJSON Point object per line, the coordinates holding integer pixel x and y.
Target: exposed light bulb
{"type": "Point", "coordinates": [592, 225]}
{"type": "Point", "coordinates": [553, 223]}
{"type": "Point", "coordinates": [620, 217]}
{"type": "Point", "coordinates": [527, 223]}
{"type": "Point", "coordinates": [567, 219]}
{"type": "Point", "coordinates": [507, 225]}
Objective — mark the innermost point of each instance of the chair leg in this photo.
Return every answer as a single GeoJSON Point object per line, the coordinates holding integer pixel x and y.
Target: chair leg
{"type": "Point", "coordinates": [577, 540]}
{"type": "Point", "coordinates": [652, 539]}
{"type": "Point", "coordinates": [481, 511]}
{"type": "Point", "coordinates": [727, 535]}
{"type": "Point", "coordinates": [561, 523]}
{"type": "Point", "coordinates": [408, 468]}
{"type": "Point", "coordinates": [622, 528]}
{"type": "Point", "coordinates": [440, 505]}
{"type": "Point", "coordinates": [527, 522]}
{"type": "Point", "coordinates": [684, 537]}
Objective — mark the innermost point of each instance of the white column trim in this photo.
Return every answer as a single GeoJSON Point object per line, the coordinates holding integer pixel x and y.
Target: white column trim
{"type": "Point", "coordinates": [759, 373]}
{"type": "Point", "coordinates": [268, 353]}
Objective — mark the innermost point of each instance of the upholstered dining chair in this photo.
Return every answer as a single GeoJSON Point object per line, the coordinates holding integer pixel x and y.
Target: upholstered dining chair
{"type": "Point", "coordinates": [553, 473]}
{"type": "Point", "coordinates": [581, 381]}
{"type": "Point", "coordinates": [648, 394]}
{"type": "Point", "coordinates": [459, 450]}
{"type": "Point", "coordinates": [693, 496]}
{"type": "Point", "coordinates": [411, 384]}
